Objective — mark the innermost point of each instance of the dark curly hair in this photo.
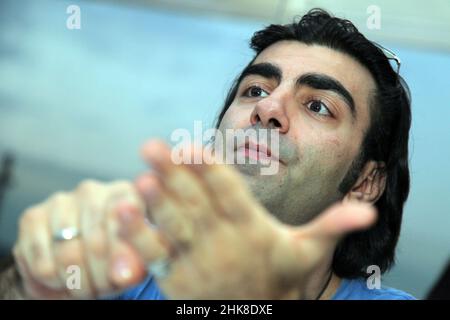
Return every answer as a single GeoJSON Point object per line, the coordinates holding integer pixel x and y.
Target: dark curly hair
{"type": "Point", "coordinates": [386, 139]}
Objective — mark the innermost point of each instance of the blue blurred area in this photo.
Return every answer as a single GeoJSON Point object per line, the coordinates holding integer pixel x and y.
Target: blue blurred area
{"type": "Point", "coordinates": [79, 103]}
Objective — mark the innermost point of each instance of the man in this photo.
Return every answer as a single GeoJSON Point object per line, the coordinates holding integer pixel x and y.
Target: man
{"type": "Point", "coordinates": [308, 232]}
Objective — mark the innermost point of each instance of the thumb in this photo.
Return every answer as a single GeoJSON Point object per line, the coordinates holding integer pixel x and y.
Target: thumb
{"type": "Point", "coordinates": [338, 220]}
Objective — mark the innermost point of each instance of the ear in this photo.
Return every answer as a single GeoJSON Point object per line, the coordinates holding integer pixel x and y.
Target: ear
{"type": "Point", "coordinates": [370, 184]}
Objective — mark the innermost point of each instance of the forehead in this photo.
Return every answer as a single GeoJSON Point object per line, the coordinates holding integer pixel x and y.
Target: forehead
{"type": "Point", "coordinates": [295, 58]}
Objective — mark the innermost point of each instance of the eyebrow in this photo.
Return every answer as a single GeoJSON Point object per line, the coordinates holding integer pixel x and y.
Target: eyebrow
{"type": "Point", "coordinates": [322, 81]}
{"type": "Point", "coordinates": [266, 70]}
{"type": "Point", "coordinates": [317, 81]}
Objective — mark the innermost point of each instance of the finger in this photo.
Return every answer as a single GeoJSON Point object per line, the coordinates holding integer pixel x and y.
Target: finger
{"type": "Point", "coordinates": [126, 267]}
{"type": "Point", "coordinates": [94, 239]}
{"type": "Point", "coordinates": [146, 239]}
{"type": "Point", "coordinates": [339, 220]}
{"type": "Point", "coordinates": [159, 156]}
{"type": "Point", "coordinates": [308, 245]}
{"type": "Point", "coordinates": [167, 213]}
{"type": "Point", "coordinates": [35, 244]}
{"type": "Point", "coordinates": [32, 288]}
{"type": "Point", "coordinates": [69, 257]}
{"type": "Point", "coordinates": [184, 186]}
{"type": "Point", "coordinates": [229, 191]}
{"type": "Point", "coordinates": [227, 188]}
{"type": "Point", "coordinates": [156, 153]}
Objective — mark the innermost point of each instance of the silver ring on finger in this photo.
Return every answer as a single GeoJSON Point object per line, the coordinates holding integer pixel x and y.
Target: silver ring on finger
{"type": "Point", "coordinates": [66, 234]}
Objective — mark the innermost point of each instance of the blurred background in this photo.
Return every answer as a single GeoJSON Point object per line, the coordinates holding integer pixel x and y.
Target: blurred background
{"type": "Point", "coordinates": [78, 103]}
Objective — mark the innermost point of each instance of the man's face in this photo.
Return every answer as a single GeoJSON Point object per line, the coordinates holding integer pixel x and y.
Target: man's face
{"type": "Point", "coordinates": [318, 99]}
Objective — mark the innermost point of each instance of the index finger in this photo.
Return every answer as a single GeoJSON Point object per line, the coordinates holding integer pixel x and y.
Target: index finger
{"type": "Point", "coordinates": [136, 230]}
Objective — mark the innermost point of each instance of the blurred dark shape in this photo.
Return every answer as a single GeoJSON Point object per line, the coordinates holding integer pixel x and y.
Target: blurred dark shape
{"type": "Point", "coordinates": [6, 168]}
{"type": "Point", "coordinates": [6, 263]}
{"type": "Point", "coordinates": [441, 289]}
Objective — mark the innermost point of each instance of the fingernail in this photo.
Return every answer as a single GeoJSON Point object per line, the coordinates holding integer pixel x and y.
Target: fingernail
{"type": "Point", "coordinates": [127, 216]}
{"type": "Point", "coordinates": [122, 270]}
{"type": "Point", "coordinates": [126, 219]}
{"type": "Point", "coordinates": [151, 195]}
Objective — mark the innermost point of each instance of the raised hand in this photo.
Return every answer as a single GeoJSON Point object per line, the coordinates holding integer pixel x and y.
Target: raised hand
{"type": "Point", "coordinates": [224, 244]}
{"type": "Point", "coordinates": [81, 229]}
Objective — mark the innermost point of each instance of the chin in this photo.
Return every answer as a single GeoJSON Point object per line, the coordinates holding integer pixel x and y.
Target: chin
{"type": "Point", "coordinates": [264, 188]}
{"type": "Point", "coordinates": [249, 169]}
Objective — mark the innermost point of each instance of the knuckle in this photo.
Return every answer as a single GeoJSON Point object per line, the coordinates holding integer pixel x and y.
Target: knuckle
{"type": "Point", "coordinates": [123, 191]}
{"type": "Point", "coordinates": [31, 216]}
{"type": "Point", "coordinates": [184, 235]}
{"type": "Point", "coordinates": [122, 185]}
{"type": "Point", "coordinates": [88, 186]}
{"type": "Point", "coordinates": [59, 198]}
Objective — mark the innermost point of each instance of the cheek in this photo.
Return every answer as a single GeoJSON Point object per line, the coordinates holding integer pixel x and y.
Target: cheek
{"type": "Point", "coordinates": [236, 117]}
{"type": "Point", "coordinates": [337, 154]}
{"type": "Point", "coordinates": [324, 154]}
{"type": "Point", "coordinates": [335, 151]}
{"type": "Point", "coordinates": [334, 145]}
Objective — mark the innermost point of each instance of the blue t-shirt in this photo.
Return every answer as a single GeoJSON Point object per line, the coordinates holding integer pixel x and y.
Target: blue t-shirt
{"type": "Point", "coordinates": [349, 289]}
{"type": "Point", "coordinates": [356, 289]}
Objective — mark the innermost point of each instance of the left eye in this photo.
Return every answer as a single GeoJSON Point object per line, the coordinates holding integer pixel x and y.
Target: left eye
{"type": "Point", "coordinates": [255, 91]}
{"type": "Point", "coordinates": [318, 107]}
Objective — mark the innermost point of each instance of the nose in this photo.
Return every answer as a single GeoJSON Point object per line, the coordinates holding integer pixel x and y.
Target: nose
{"type": "Point", "coordinates": [271, 113]}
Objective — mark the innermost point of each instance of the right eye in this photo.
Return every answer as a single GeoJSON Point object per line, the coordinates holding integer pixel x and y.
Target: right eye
{"type": "Point", "coordinates": [254, 92]}
{"type": "Point", "coordinates": [318, 107]}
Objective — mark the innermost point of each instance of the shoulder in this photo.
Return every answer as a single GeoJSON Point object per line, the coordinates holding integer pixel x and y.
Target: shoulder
{"type": "Point", "coordinates": [357, 289]}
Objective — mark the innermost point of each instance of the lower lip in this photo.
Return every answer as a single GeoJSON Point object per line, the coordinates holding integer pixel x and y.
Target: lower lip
{"type": "Point", "coordinates": [255, 155]}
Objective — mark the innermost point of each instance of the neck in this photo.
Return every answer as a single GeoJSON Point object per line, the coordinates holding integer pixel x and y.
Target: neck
{"type": "Point", "coordinates": [318, 281]}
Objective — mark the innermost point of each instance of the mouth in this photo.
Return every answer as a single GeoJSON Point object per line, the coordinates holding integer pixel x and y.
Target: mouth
{"type": "Point", "coordinates": [257, 152]}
